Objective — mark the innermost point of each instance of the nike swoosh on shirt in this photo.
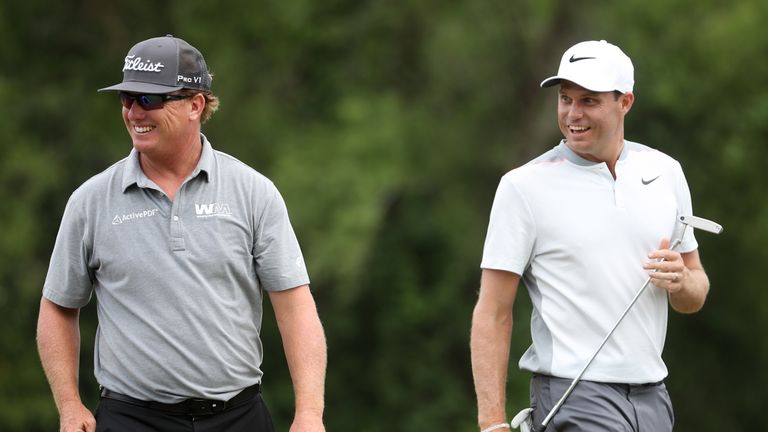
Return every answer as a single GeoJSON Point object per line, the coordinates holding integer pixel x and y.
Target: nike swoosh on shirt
{"type": "Point", "coordinates": [574, 59]}
{"type": "Point", "coordinates": [649, 181]}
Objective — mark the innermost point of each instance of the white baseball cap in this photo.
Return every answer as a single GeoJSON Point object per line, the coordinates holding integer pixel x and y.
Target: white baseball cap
{"type": "Point", "coordinates": [595, 65]}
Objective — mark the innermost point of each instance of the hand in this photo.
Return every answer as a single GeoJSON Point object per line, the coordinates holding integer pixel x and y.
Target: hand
{"type": "Point", "coordinates": [75, 417]}
{"type": "Point", "coordinates": [669, 274]}
{"type": "Point", "coordinates": [307, 423]}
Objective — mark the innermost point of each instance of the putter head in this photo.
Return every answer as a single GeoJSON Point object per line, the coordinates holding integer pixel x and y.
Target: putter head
{"type": "Point", "coordinates": [523, 421]}
{"type": "Point", "coordinates": [701, 223]}
{"type": "Point", "coordinates": [685, 221]}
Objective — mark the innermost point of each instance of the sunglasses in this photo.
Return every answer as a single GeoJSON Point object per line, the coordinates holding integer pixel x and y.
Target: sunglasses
{"type": "Point", "coordinates": [148, 101]}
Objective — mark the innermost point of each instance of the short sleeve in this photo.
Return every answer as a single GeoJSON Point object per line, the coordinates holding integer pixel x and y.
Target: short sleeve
{"type": "Point", "coordinates": [684, 208]}
{"type": "Point", "coordinates": [511, 230]}
{"type": "Point", "coordinates": [69, 282]}
{"type": "Point", "coordinates": [279, 261]}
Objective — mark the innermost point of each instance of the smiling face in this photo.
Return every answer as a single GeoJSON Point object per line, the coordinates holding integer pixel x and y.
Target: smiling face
{"type": "Point", "coordinates": [160, 131]}
{"type": "Point", "coordinates": [593, 122]}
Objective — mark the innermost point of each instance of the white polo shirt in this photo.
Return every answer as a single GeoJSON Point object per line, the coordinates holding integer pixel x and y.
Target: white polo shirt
{"type": "Point", "coordinates": [179, 283]}
{"type": "Point", "coordinates": [579, 239]}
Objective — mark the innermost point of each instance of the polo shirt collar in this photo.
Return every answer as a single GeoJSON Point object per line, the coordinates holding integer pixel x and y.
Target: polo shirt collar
{"type": "Point", "coordinates": [133, 175]}
{"type": "Point", "coordinates": [574, 158]}
{"type": "Point", "coordinates": [206, 163]}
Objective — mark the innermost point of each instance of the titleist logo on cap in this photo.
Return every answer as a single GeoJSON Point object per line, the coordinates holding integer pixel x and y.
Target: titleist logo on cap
{"type": "Point", "coordinates": [163, 65]}
{"type": "Point", "coordinates": [135, 63]}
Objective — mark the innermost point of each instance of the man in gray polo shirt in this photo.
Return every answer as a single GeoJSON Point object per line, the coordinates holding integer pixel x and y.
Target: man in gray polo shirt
{"type": "Point", "coordinates": [178, 242]}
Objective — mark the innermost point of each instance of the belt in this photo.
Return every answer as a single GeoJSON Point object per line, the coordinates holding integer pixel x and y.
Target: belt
{"type": "Point", "coordinates": [650, 384]}
{"type": "Point", "coordinates": [190, 407]}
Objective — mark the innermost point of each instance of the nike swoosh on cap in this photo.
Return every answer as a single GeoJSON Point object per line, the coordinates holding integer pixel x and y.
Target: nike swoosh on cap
{"type": "Point", "coordinates": [649, 181]}
{"type": "Point", "coordinates": [574, 59]}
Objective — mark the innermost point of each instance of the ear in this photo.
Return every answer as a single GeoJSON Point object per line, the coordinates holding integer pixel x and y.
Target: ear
{"type": "Point", "coordinates": [196, 107]}
{"type": "Point", "coordinates": [626, 101]}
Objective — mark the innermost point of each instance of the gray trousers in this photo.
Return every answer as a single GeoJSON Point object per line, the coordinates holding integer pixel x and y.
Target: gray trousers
{"type": "Point", "coordinates": [597, 407]}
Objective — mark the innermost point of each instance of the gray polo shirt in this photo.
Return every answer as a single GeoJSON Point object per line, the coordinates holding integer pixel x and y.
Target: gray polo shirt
{"type": "Point", "coordinates": [178, 284]}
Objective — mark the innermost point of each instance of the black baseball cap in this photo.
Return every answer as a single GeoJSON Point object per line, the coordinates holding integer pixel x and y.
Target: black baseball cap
{"type": "Point", "coordinates": [163, 65]}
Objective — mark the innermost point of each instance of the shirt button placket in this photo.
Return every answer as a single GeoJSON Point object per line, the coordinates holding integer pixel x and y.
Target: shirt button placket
{"type": "Point", "coordinates": [177, 227]}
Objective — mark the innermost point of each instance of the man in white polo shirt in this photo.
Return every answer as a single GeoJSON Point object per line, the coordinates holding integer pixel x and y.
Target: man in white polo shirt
{"type": "Point", "coordinates": [583, 226]}
{"type": "Point", "coordinates": [178, 242]}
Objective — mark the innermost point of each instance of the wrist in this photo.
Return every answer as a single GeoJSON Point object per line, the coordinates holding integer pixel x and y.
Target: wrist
{"type": "Point", "coordinates": [309, 414]}
{"type": "Point", "coordinates": [496, 426]}
{"type": "Point", "coordinates": [66, 403]}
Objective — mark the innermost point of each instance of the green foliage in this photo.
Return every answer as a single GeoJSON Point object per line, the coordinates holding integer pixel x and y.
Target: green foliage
{"type": "Point", "coordinates": [386, 126]}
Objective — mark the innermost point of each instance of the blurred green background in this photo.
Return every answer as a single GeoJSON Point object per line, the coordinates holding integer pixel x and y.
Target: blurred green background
{"type": "Point", "coordinates": [387, 125]}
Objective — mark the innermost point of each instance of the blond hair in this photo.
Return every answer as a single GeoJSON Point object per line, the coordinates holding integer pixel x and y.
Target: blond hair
{"type": "Point", "coordinates": [211, 102]}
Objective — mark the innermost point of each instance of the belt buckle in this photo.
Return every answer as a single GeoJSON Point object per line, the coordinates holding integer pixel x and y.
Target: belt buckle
{"type": "Point", "coordinates": [203, 407]}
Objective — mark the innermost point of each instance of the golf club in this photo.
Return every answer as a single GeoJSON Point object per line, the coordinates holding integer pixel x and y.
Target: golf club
{"type": "Point", "coordinates": [523, 418]}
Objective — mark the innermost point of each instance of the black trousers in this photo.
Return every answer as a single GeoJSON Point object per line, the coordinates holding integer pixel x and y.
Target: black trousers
{"type": "Point", "coordinates": [117, 416]}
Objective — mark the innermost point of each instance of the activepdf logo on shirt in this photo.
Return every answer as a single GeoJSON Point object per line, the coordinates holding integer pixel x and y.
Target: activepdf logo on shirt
{"type": "Point", "coordinates": [212, 210]}
{"type": "Point", "coordinates": [133, 216]}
